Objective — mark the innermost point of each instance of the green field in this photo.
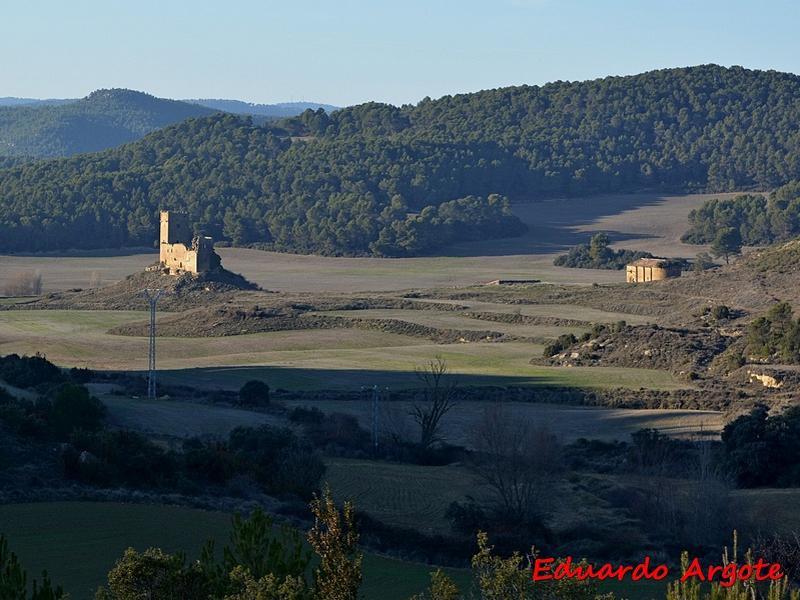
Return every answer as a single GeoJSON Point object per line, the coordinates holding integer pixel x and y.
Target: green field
{"type": "Point", "coordinates": [306, 359]}
{"type": "Point", "coordinates": [78, 542]}
{"type": "Point", "coordinates": [472, 364]}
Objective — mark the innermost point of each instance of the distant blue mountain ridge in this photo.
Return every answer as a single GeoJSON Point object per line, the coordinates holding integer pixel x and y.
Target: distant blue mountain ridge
{"type": "Point", "coordinates": [279, 110]}
{"type": "Point", "coordinates": [32, 128]}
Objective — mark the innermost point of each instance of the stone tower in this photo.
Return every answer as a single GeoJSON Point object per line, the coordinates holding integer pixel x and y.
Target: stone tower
{"type": "Point", "coordinates": [182, 252]}
{"type": "Point", "coordinates": [175, 228]}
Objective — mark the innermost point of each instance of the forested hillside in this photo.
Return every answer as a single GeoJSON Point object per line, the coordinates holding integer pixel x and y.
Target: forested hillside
{"type": "Point", "coordinates": [243, 183]}
{"type": "Point", "coordinates": [405, 180]}
{"type": "Point", "coordinates": [758, 219]}
{"type": "Point", "coordinates": [706, 127]}
{"type": "Point", "coordinates": [104, 119]}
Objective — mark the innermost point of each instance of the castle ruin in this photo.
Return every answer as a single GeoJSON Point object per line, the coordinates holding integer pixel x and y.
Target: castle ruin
{"type": "Point", "coordinates": [180, 251]}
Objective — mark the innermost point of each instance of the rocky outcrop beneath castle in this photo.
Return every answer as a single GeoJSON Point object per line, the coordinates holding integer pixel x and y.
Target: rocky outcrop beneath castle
{"type": "Point", "coordinates": [181, 292]}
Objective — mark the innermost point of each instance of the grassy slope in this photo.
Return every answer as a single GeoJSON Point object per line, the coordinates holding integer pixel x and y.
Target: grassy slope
{"type": "Point", "coordinates": [78, 542]}
{"type": "Point", "coordinates": [297, 359]}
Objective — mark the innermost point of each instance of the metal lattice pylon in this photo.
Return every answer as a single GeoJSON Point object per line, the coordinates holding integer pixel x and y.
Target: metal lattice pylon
{"type": "Point", "coordinates": [152, 296]}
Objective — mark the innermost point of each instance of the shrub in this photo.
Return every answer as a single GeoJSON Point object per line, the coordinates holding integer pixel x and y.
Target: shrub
{"type": "Point", "coordinates": [597, 255]}
{"type": "Point", "coordinates": [254, 393]}
{"type": "Point", "coordinates": [212, 462]}
{"type": "Point", "coordinates": [153, 574]}
{"type": "Point", "coordinates": [775, 335]}
{"type": "Point", "coordinates": [119, 457]}
{"type": "Point", "coordinates": [339, 433]}
{"type": "Point", "coordinates": [764, 450]}
{"type": "Point", "coordinates": [303, 415]}
{"type": "Point", "coordinates": [721, 312]}
{"type": "Point", "coordinates": [563, 342]}
{"type": "Point", "coordinates": [29, 371]}
{"type": "Point", "coordinates": [25, 283]}
{"type": "Point", "coordinates": [277, 459]}
{"type": "Point", "coordinates": [73, 408]}
{"type": "Point", "coordinates": [79, 375]}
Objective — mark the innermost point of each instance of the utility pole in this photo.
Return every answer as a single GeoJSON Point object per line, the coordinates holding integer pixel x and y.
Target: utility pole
{"type": "Point", "coordinates": [152, 296]}
{"type": "Point", "coordinates": [376, 396]}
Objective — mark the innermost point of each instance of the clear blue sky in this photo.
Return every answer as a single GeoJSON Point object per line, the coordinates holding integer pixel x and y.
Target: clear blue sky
{"type": "Point", "coordinates": [351, 51]}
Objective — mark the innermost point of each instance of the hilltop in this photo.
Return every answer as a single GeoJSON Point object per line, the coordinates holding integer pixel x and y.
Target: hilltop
{"type": "Point", "coordinates": [381, 180]}
{"type": "Point", "coordinates": [180, 292]}
{"type": "Point", "coordinates": [103, 119]}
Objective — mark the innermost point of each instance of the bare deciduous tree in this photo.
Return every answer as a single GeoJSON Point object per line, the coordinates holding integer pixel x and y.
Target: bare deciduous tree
{"type": "Point", "coordinates": [694, 509]}
{"type": "Point", "coordinates": [24, 283]}
{"type": "Point", "coordinates": [517, 461]}
{"type": "Point", "coordinates": [438, 398]}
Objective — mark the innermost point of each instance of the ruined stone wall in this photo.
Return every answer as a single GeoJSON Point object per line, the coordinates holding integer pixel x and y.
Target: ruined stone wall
{"type": "Point", "coordinates": [178, 258]}
{"type": "Point", "coordinates": [179, 250]}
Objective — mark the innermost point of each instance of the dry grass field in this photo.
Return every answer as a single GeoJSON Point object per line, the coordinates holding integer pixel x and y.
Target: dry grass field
{"type": "Point", "coordinates": [179, 419]}
{"type": "Point", "coordinates": [567, 422]}
{"type": "Point", "coordinates": [558, 311]}
{"type": "Point", "coordinates": [639, 221]}
{"type": "Point", "coordinates": [165, 417]}
{"type": "Point", "coordinates": [452, 320]}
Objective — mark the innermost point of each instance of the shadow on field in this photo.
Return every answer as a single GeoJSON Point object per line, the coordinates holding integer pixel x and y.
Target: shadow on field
{"type": "Point", "coordinates": [232, 378]}
{"type": "Point", "coordinates": [539, 403]}
{"type": "Point", "coordinates": [554, 225]}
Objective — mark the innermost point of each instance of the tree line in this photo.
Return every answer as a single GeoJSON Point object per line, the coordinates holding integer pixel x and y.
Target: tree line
{"type": "Point", "coordinates": [598, 255]}
{"type": "Point", "coordinates": [372, 179]}
{"type": "Point", "coordinates": [756, 219]}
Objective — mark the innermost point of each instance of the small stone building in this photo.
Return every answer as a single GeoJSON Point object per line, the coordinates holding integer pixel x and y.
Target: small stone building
{"type": "Point", "coordinates": [651, 269]}
{"type": "Point", "coordinates": [182, 252]}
